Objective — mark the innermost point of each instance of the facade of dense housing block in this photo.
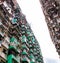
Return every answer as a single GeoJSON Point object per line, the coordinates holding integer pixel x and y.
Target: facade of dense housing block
{"type": "Point", "coordinates": [51, 10]}
{"type": "Point", "coordinates": [17, 41]}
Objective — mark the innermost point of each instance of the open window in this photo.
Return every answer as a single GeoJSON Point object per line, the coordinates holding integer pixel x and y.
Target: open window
{"type": "Point", "coordinates": [24, 61]}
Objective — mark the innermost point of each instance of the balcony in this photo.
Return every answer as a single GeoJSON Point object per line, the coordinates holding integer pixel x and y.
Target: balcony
{"type": "Point", "coordinates": [31, 56]}
{"type": "Point", "coordinates": [33, 61]}
{"type": "Point", "coordinates": [35, 50]}
{"type": "Point", "coordinates": [14, 21]}
{"type": "Point", "coordinates": [31, 46]}
{"type": "Point", "coordinates": [25, 59]}
{"type": "Point", "coordinates": [36, 47]}
{"type": "Point", "coordinates": [3, 55]}
{"type": "Point", "coordinates": [29, 42]}
{"type": "Point", "coordinates": [30, 51]}
{"type": "Point", "coordinates": [39, 60]}
{"type": "Point", "coordinates": [24, 47]}
{"type": "Point", "coordinates": [24, 52]}
{"type": "Point", "coordinates": [11, 58]}
{"type": "Point", "coordinates": [5, 44]}
{"type": "Point", "coordinates": [29, 33]}
{"type": "Point", "coordinates": [14, 43]}
{"type": "Point", "coordinates": [33, 39]}
{"type": "Point", "coordinates": [23, 39]}
{"type": "Point", "coordinates": [13, 48]}
{"type": "Point", "coordinates": [2, 34]}
{"type": "Point", "coordinates": [29, 38]}
{"type": "Point", "coordinates": [13, 39]}
{"type": "Point", "coordinates": [35, 54]}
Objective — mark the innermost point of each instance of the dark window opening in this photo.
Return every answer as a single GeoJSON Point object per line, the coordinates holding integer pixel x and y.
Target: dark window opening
{"type": "Point", "coordinates": [24, 62]}
{"type": "Point", "coordinates": [4, 51]}
{"type": "Point", "coordinates": [13, 61]}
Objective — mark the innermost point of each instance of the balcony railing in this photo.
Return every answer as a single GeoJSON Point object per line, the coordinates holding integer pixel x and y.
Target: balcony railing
{"type": "Point", "coordinates": [14, 48]}
{"type": "Point", "coordinates": [11, 58]}
{"type": "Point", "coordinates": [25, 59]}
{"type": "Point", "coordinates": [5, 45]}
{"type": "Point", "coordinates": [24, 52]}
{"type": "Point", "coordinates": [3, 55]}
{"type": "Point", "coordinates": [23, 39]}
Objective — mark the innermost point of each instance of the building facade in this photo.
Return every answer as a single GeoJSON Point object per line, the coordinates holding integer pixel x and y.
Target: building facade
{"type": "Point", "coordinates": [17, 41]}
{"type": "Point", "coordinates": [51, 10]}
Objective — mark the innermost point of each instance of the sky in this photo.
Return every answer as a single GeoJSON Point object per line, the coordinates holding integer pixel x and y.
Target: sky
{"type": "Point", "coordinates": [35, 17]}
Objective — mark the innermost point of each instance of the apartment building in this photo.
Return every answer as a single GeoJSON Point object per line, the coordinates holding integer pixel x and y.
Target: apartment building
{"type": "Point", "coordinates": [17, 41]}
{"type": "Point", "coordinates": [51, 10]}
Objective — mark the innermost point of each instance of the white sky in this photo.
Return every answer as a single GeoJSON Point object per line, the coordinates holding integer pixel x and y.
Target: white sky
{"type": "Point", "coordinates": [32, 10]}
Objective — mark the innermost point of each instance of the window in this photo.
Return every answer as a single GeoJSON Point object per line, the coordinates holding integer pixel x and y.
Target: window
{"type": "Point", "coordinates": [4, 51]}
{"type": "Point", "coordinates": [13, 61]}
{"type": "Point", "coordinates": [24, 62]}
